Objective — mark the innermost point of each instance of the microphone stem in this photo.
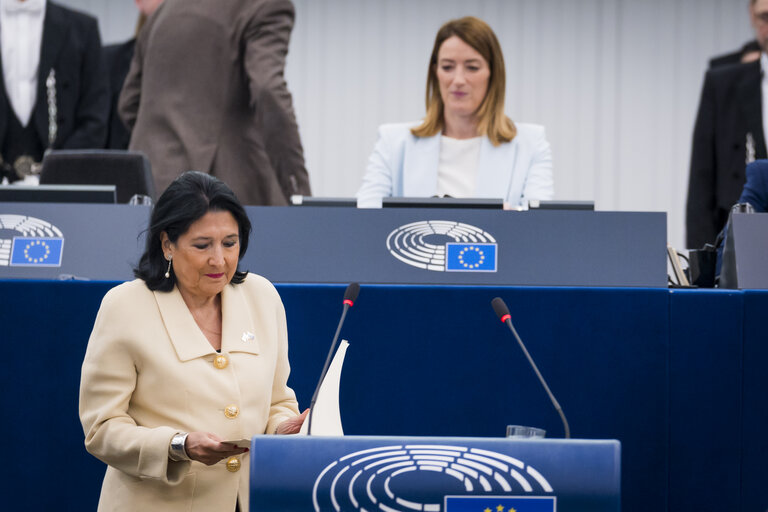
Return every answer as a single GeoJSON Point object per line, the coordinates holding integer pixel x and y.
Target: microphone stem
{"type": "Point", "coordinates": [325, 368]}
{"type": "Point", "coordinates": [541, 379]}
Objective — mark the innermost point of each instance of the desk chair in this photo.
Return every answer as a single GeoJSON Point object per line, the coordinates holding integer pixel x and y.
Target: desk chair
{"type": "Point", "coordinates": [129, 171]}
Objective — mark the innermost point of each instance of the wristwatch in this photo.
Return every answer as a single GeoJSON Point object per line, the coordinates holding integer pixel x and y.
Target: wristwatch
{"type": "Point", "coordinates": [176, 451]}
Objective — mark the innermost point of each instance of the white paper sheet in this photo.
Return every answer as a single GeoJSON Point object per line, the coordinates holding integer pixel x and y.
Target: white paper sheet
{"type": "Point", "coordinates": [326, 419]}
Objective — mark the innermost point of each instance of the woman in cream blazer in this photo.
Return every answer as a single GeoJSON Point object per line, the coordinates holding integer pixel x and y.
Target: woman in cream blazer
{"type": "Point", "coordinates": [465, 146]}
{"type": "Point", "coordinates": [151, 374]}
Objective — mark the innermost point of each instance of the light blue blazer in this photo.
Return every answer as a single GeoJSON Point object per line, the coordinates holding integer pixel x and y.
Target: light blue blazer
{"type": "Point", "coordinates": [403, 165]}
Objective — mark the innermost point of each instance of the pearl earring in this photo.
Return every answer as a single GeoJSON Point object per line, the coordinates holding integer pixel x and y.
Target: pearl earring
{"type": "Point", "coordinates": [168, 272]}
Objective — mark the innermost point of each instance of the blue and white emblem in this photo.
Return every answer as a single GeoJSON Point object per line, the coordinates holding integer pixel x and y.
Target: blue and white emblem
{"type": "Point", "coordinates": [470, 257]}
{"type": "Point", "coordinates": [36, 252]}
{"type": "Point", "coordinates": [41, 244]}
{"type": "Point", "coordinates": [442, 245]}
{"type": "Point", "coordinates": [394, 479]}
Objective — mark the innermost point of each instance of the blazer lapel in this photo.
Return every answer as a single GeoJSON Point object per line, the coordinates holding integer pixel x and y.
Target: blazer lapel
{"type": "Point", "coordinates": [751, 108]}
{"type": "Point", "coordinates": [238, 332]}
{"type": "Point", "coordinates": [186, 336]}
{"type": "Point", "coordinates": [493, 169]}
{"type": "Point", "coordinates": [54, 35]}
{"type": "Point", "coordinates": [422, 156]}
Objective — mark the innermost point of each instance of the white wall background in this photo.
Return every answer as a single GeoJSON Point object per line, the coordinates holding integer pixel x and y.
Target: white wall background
{"type": "Point", "coordinates": [616, 83]}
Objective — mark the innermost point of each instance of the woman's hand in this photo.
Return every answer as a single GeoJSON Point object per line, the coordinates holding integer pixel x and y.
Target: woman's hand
{"type": "Point", "coordinates": [209, 448]}
{"type": "Point", "coordinates": [293, 425]}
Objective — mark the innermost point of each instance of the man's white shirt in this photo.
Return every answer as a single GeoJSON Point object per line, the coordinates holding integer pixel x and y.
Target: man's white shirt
{"type": "Point", "coordinates": [21, 36]}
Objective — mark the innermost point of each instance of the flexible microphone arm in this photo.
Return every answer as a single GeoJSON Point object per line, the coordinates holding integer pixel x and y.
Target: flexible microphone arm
{"type": "Point", "coordinates": [350, 296]}
{"type": "Point", "coordinates": [502, 311]}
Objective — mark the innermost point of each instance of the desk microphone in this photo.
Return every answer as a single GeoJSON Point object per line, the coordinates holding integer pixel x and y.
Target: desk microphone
{"type": "Point", "coordinates": [350, 296]}
{"type": "Point", "coordinates": [502, 311]}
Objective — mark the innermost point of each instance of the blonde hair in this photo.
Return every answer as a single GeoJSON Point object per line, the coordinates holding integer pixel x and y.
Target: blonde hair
{"type": "Point", "coordinates": [492, 122]}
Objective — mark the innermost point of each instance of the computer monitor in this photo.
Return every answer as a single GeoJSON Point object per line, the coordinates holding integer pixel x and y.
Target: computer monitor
{"type": "Point", "coordinates": [323, 201]}
{"type": "Point", "coordinates": [104, 194]}
{"type": "Point", "coordinates": [442, 202]}
{"type": "Point", "coordinates": [535, 204]}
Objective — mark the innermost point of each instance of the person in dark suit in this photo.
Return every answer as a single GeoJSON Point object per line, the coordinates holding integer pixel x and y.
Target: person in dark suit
{"type": "Point", "coordinates": [64, 104]}
{"type": "Point", "coordinates": [729, 133]}
{"type": "Point", "coordinates": [756, 189]}
{"type": "Point", "coordinates": [750, 52]}
{"type": "Point", "coordinates": [206, 91]}
{"type": "Point", "coordinates": [117, 61]}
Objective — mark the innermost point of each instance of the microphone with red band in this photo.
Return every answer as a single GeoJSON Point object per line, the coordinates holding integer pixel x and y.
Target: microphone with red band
{"type": "Point", "coordinates": [502, 311]}
{"type": "Point", "coordinates": [350, 296]}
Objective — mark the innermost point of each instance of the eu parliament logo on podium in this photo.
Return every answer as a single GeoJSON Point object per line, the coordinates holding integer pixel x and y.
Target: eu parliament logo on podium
{"type": "Point", "coordinates": [444, 246]}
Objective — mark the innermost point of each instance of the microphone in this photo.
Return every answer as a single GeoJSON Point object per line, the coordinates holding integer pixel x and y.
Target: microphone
{"type": "Point", "coordinates": [350, 296]}
{"type": "Point", "coordinates": [502, 311]}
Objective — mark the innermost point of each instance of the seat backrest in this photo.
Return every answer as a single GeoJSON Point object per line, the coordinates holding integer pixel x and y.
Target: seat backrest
{"type": "Point", "coordinates": [129, 171]}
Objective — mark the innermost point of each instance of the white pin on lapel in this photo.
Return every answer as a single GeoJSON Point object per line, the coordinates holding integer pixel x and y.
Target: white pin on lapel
{"type": "Point", "coordinates": [750, 146]}
{"type": "Point", "coordinates": [247, 336]}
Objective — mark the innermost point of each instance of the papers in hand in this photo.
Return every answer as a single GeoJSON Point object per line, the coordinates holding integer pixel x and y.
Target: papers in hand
{"type": "Point", "coordinates": [241, 443]}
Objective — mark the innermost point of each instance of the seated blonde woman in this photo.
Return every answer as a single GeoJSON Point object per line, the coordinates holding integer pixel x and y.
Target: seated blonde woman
{"type": "Point", "coordinates": [465, 146]}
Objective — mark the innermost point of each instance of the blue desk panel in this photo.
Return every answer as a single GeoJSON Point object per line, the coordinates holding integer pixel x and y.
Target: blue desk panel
{"type": "Point", "coordinates": [625, 364]}
{"type": "Point", "coordinates": [45, 329]}
{"type": "Point", "coordinates": [705, 400]}
{"type": "Point", "coordinates": [755, 422]}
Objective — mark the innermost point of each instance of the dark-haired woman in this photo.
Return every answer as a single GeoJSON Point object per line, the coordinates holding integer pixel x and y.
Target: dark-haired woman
{"type": "Point", "coordinates": [465, 146]}
{"type": "Point", "coordinates": [188, 356]}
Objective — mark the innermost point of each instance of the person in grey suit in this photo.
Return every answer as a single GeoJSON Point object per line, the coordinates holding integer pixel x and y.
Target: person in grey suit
{"type": "Point", "coordinates": [206, 91]}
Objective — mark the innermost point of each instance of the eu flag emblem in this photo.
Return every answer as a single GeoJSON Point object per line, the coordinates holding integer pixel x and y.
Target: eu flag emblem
{"type": "Point", "coordinates": [500, 504]}
{"type": "Point", "coordinates": [470, 257]}
{"type": "Point", "coordinates": [36, 252]}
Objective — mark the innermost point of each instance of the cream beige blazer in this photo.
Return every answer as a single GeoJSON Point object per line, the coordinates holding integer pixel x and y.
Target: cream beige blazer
{"type": "Point", "coordinates": [149, 373]}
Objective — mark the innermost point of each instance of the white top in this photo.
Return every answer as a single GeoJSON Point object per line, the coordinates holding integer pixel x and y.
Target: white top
{"type": "Point", "coordinates": [457, 167]}
{"type": "Point", "coordinates": [764, 68]}
{"type": "Point", "coordinates": [21, 36]}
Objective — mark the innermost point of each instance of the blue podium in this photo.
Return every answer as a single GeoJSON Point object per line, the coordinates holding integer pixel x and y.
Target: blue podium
{"type": "Point", "coordinates": [433, 474]}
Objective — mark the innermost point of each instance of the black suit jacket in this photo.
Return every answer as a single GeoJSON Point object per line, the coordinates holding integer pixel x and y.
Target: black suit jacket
{"type": "Point", "coordinates": [71, 46]}
{"type": "Point", "coordinates": [734, 57]}
{"type": "Point", "coordinates": [729, 110]}
{"type": "Point", "coordinates": [117, 61]}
